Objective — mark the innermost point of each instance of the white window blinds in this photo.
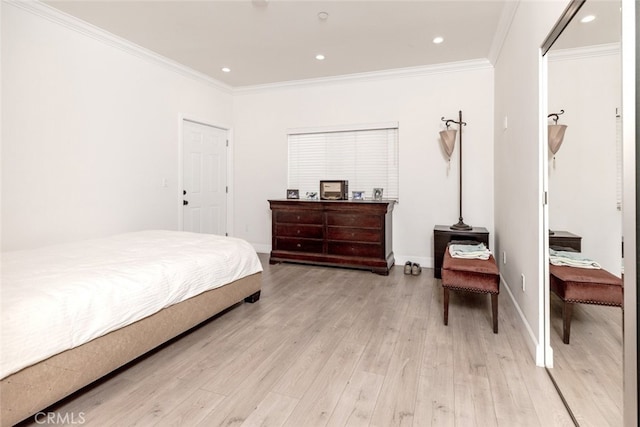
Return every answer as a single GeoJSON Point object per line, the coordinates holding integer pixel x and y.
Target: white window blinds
{"type": "Point", "coordinates": [367, 158]}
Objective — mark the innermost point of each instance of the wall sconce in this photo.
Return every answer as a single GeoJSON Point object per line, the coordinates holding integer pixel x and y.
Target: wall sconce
{"type": "Point", "coordinates": [556, 134]}
{"type": "Point", "coordinates": [448, 138]}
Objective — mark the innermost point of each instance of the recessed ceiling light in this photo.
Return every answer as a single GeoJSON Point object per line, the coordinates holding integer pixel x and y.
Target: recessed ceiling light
{"type": "Point", "coordinates": [588, 18]}
{"type": "Point", "coordinates": [438, 40]}
{"type": "Point", "coordinates": [319, 57]}
{"type": "Point", "coordinates": [226, 69]}
{"type": "Point", "coordinates": [323, 16]}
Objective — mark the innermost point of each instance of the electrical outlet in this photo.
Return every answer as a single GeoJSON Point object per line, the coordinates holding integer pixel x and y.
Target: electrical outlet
{"type": "Point", "coordinates": [523, 281]}
{"type": "Point", "coordinates": [504, 257]}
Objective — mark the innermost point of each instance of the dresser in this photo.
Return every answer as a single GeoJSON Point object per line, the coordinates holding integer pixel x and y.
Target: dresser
{"type": "Point", "coordinates": [561, 238]}
{"type": "Point", "coordinates": [443, 234]}
{"type": "Point", "coordinates": [339, 233]}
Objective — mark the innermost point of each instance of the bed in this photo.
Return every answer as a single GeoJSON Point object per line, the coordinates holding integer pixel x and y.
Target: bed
{"type": "Point", "coordinates": [73, 313]}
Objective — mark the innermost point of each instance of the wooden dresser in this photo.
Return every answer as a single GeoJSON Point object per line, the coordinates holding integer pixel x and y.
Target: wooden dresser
{"type": "Point", "coordinates": [340, 233]}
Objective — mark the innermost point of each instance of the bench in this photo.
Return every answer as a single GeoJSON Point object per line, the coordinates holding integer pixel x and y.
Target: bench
{"type": "Point", "coordinates": [575, 285]}
{"type": "Point", "coordinates": [471, 275]}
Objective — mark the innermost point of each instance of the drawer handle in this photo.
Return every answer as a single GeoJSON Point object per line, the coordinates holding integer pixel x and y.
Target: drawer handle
{"type": "Point", "coordinates": [298, 231]}
{"type": "Point", "coordinates": [299, 245]}
{"type": "Point", "coordinates": [298, 217]}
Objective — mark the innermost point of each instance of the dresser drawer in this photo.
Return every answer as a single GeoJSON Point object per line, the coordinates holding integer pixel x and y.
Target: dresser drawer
{"type": "Point", "coordinates": [299, 230]}
{"type": "Point", "coordinates": [354, 234]}
{"type": "Point", "coordinates": [299, 217]}
{"type": "Point", "coordinates": [354, 220]}
{"type": "Point", "coordinates": [365, 250]}
{"type": "Point", "coordinates": [298, 245]}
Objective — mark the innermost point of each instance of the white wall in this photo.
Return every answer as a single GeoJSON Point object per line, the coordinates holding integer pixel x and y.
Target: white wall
{"type": "Point", "coordinates": [89, 132]}
{"type": "Point", "coordinates": [428, 193]}
{"type": "Point", "coordinates": [518, 161]}
{"type": "Point", "coordinates": [582, 184]}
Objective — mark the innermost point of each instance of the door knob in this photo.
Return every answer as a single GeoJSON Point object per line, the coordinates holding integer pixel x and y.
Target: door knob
{"type": "Point", "coordinates": [185, 202]}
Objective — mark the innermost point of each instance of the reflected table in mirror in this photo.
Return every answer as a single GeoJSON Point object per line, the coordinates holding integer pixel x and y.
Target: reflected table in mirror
{"type": "Point", "coordinates": [565, 239]}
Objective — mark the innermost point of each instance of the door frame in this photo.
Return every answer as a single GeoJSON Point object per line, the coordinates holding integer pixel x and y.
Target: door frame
{"type": "Point", "coordinates": [229, 159]}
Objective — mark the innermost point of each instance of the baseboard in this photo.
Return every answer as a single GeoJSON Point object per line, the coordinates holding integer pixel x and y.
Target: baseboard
{"type": "Point", "coordinates": [535, 347]}
{"type": "Point", "coordinates": [261, 248]}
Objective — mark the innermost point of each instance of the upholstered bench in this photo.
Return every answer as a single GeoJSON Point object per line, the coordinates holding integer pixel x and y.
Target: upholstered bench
{"type": "Point", "coordinates": [585, 286]}
{"type": "Point", "coordinates": [472, 275]}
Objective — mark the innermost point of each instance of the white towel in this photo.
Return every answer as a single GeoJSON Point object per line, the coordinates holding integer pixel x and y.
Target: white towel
{"type": "Point", "coordinates": [478, 251]}
{"type": "Point", "coordinates": [571, 259]}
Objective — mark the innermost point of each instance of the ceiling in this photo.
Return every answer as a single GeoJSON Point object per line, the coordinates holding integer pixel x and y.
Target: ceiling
{"type": "Point", "coordinates": [270, 41]}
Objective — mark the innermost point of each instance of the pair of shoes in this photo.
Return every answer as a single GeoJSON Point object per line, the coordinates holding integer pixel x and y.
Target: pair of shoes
{"type": "Point", "coordinates": [416, 269]}
{"type": "Point", "coordinates": [412, 268]}
{"type": "Point", "coordinates": [407, 267]}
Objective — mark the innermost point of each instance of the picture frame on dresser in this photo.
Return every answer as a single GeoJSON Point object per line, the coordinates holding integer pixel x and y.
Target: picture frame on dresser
{"type": "Point", "coordinates": [334, 190]}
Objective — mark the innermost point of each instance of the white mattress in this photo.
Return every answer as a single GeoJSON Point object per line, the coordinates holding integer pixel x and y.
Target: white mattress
{"type": "Point", "coordinates": [59, 297]}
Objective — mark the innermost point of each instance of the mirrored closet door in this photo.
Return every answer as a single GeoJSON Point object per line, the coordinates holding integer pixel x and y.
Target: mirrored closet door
{"type": "Point", "coordinates": [585, 205]}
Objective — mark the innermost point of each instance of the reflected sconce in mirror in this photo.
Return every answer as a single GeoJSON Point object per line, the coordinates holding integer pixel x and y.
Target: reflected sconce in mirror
{"type": "Point", "coordinates": [556, 134]}
{"type": "Point", "coordinates": [448, 138]}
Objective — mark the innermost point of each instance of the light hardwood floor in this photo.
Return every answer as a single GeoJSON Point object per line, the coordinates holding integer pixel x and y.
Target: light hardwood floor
{"type": "Point", "coordinates": [335, 347]}
{"type": "Point", "coordinates": [588, 371]}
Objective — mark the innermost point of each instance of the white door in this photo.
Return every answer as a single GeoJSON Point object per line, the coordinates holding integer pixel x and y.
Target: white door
{"type": "Point", "coordinates": [204, 177]}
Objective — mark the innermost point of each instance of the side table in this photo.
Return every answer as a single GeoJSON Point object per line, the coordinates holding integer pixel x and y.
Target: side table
{"type": "Point", "coordinates": [443, 234]}
{"type": "Point", "coordinates": [565, 239]}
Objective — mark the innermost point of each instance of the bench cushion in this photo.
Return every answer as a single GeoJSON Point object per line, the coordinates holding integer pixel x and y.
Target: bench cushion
{"type": "Point", "coordinates": [474, 275]}
{"type": "Point", "coordinates": [586, 285]}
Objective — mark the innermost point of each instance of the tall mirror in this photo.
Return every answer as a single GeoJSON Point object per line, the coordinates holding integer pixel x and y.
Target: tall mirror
{"type": "Point", "coordinates": [585, 213]}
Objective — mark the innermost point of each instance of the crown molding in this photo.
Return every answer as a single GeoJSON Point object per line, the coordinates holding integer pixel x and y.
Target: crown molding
{"type": "Point", "coordinates": [72, 23]}
{"type": "Point", "coordinates": [449, 67]}
{"type": "Point", "coordinates": [607, 49]}
{"type": "Point", "coordinates": [56, 16]}
{"type": "Point", "coordinates": [506, 18]}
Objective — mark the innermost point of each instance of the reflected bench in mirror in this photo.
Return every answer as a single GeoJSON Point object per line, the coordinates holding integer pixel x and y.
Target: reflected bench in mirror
{"type": "Point", "coordinates": [574, 285]}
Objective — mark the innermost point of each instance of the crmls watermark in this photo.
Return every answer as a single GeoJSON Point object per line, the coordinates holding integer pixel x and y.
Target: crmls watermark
{"type": "Point", "coordinates": [59, 418]}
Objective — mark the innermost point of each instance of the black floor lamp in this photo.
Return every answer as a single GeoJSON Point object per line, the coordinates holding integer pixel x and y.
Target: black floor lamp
{"type": "Point", "coordinates": [449, 140]}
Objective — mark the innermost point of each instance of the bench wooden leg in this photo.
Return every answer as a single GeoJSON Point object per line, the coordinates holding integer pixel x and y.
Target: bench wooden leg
{"type": "Point", "coordinates": [446, 306]}
{"type": "Point", "coordinates": [494, 312]}
{"type": "Point", "coordinates": [567, 311]}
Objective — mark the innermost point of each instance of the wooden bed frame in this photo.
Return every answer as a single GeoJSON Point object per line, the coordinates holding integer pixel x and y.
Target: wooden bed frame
{"type": "Point", "coordinates": [36, 387]}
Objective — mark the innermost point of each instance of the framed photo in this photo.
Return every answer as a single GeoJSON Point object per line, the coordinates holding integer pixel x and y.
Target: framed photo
{"type": "Point", "coordinates": [377, 193]}
{"type": "Point", "coordinates": [312, 195]}
{"type": "Point", "coordinates": [334, 190]}
{"type": "Point", "coordinates": [293, 194]}
{"type": "Point", "coordinates": [358, 195]}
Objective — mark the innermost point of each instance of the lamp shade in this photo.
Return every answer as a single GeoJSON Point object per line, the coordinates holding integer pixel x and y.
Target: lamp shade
{"type": "Point", "coordinates": [448, 138]}
{"type": "Point", "coordinates": [556, 136]}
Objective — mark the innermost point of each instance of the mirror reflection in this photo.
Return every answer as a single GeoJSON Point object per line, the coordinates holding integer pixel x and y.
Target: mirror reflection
{"type": "Point", "coordinates": [585, 214]}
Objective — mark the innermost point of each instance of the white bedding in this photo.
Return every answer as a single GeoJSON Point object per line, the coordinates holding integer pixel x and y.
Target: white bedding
{"type": "Point", "coordinates": [59, 297]}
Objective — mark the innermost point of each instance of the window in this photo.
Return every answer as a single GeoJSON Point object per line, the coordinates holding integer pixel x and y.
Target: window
{"type": "Point", "coordinates": [366, 156]}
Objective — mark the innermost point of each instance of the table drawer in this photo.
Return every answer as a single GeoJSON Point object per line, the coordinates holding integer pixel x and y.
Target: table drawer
{"type": "Point", "coordinates": [299, 230]}
{"type": "Point", "coordinates": [365, 250]}
{"type": "Point", "coordinates": [299, 245]}
{"type": "Point", "coordinates": [354, 220]}
{"type": "Point", "coordinates": [299, 217]}
{"type": "Point", "coordinates": [354, 234]}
